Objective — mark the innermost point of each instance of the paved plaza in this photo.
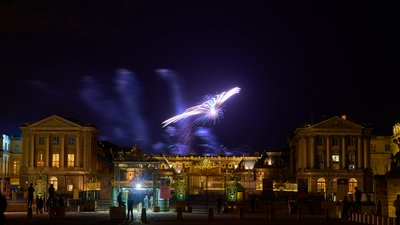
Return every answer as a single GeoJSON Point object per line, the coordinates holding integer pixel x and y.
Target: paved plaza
{"type": "Point", "coordinates": [102, 217]}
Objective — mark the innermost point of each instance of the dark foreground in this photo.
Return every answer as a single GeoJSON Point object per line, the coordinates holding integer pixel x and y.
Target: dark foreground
{"type": "Point", "coordinates": [75, 218]}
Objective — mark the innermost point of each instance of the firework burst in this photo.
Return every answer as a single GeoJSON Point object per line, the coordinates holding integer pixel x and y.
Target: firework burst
{"type": "Point", "coordinates": [210, 110]}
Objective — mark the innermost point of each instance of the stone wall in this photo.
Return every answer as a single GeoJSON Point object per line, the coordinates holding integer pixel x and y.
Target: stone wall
{"type": "Point", "coordinates": [381, 193]}
{"type": "Point", "coordinates": [393, 188]}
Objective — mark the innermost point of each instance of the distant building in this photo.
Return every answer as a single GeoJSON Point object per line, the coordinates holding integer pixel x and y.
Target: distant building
{"type": "Point", "coordinates": [65, 153]}
{"type": "Point", "coordinates": [329, 158]}
{"type": "Point", "coordinates": [10, 158]}
{"type": "Point", "coordinates": [235, 177]}
{"type": "Point", "coordinates": [332, 157]}
{"type": "Point", "coordinates": [381, 153]}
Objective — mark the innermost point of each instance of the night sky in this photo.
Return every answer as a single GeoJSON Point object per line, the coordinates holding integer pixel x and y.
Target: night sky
{"type": "Point", "coordinates": [99, 62]}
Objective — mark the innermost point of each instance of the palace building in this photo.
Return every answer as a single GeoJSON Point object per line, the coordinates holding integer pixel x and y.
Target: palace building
{"type": "Point", "coordinates": [65, 153]}
{"type": "Point", "coordinates": [329, 158]}
{"type": "Point", "coordinates": [333, 157]}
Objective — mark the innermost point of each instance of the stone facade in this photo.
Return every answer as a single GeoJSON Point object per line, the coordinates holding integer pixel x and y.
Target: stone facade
{"type": "Point", "coordinates": [333, 150]}
{"type": "Point", "coordinates": [64, 152]}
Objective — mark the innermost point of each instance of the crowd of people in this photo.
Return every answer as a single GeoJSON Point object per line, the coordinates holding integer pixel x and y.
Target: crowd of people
{"type": "Point", "coordinates": [52, 201]}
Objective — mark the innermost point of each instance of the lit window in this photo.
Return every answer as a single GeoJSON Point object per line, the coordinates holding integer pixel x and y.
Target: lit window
{"type": "Point", "coordinates": [54, 181]}
{"type": "Point", "coordinates": [335, 185]}
{"type": "Point", "coordinates": [71, 160]}
{"type": "Point", "coordinates": [335, 158]}
{"type": "Point", "coordinates": [40, 162]}
{"type": "Point", "coordinates": [16, 168]}
{"type": "Point", "coordinates": [321, 185]}
{"type": "Point", "coordinates": [352, 184]}
{"type": "Point", "coordinates": [56, 160]}
{"type": "Point", "coordinates": [56, 140]}
{"type": "Point", "coordinates": [70, 187]}
{"type": "Point", "coordinates": [71, 140]}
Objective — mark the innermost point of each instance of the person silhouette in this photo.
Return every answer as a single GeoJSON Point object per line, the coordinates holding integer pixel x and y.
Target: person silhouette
{"type": "Point", "coordinates": [31, 190]}
{"type": "Point", "coordinates": [345, 209]}
{"type": "Point", "coordinates": [52, 192]}
{"type": "Point", "coordinates": [130, 205]}
{"type": "Point", "coordinates": [3, 208]}
{"type": "Point", "coordinates": [358, 195]}
{"type": "Point", "coordinates": [219, 204]}
{"type": "Point", "coordinates": [119, 199]}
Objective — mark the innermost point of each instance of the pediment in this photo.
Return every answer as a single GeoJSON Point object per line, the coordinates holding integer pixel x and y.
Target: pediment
{"type": "Point", "coordinates": [337, 122]}
{"type": "Point", "coordinates": [54, 121]}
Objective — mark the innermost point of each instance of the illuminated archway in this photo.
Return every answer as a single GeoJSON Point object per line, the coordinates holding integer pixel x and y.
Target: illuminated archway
{"type": "Point", "coordinates": [53, 180]}
{"type": "Point", "coordinates": [321, 185]}
{"type": "Point", "coordinates": [352, 184]}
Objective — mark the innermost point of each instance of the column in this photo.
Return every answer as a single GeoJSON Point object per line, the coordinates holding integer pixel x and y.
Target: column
{"type": "Point", "coordinates": [47, 157]}
{"type": "Point", "coordinates": [62, 151]}
{"type": "Point", "coordinates": [78, 151]}
{"type": "Point", "coordinates": [365, 152]}
{"type": "Point", "coordinates": [312, 152]}
{"type": "Point", "coordinates": [359, 159]}
{"type": "Point", "coordinates": [84, 151]}
{"type": "Point", "coordinates": [25, 145]}
{"type": "Point", "coordinates": [298, 156]}
{"type": "Point", "coordinates": [343, 157]}
{"type": "Point", "coordinates": [32, 149]}
{"type": "Point", "coordinates": [328, 152]}
{"type": "Point", "coordinates": [304, 154]}
{"type": "Point", "coordinates": [89, 151]}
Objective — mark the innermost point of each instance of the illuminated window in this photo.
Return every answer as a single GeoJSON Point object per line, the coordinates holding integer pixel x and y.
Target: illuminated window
{"type": "Point", "coordinates": [56, 160]}
{"type": "Point", "coordinates": [335, 185]}
{"type": "Point", "coordinates": [352, 184]}
{"type": "Point", "coordinates": [70, 187]}
{"type": "Point", "coordinates": [71, 160]}
{"type": "Point", "coordinates": [56, 140]}
{"type": "Point", "coordinates": [71, 140]}
{"type": "Point", "coordinates": [54, 181]}
{"type": "Point", "coordinates": [321, 185]}
{"type": "Point", "coordinates": [335, 158]}
{"type": "Point", "coordinates": [41, 140]}
{"type": "Point", "coordinates": [40, 162]}
{"type": "Point", "coordinates": [16, 168]}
